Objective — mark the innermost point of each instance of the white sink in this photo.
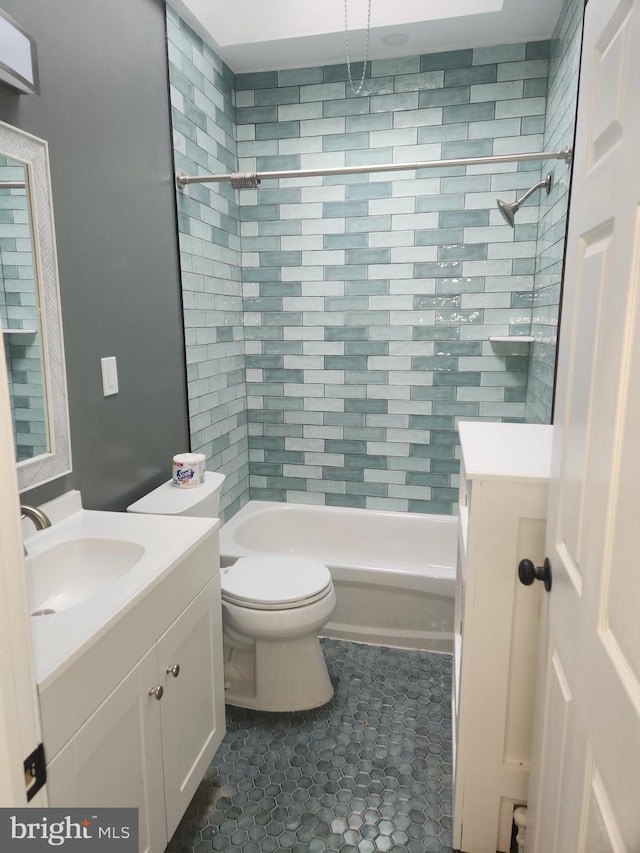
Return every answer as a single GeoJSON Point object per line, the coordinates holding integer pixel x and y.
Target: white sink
{"type": "Point", "coordinates": [70, 573]}
{"type": "Point", "coordinates": [87, 570]}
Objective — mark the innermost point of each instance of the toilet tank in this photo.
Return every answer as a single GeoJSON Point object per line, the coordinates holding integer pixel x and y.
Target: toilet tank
{"type": "Point", "coordinates": [199, 501]}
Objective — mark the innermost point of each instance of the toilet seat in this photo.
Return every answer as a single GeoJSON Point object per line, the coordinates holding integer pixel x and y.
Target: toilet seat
{"type": "Point", "coordinates": [275, 582]}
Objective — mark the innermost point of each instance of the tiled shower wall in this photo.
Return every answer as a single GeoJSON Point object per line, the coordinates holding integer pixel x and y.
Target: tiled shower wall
{"type": "Point", "coordinates": [204, 142]}
{"type": "Point", "coordinates": [19, 310]}
{"type": "Point", "coordinates": [564, 63]}
{"type": "Point", "coordinates": [369, 299]}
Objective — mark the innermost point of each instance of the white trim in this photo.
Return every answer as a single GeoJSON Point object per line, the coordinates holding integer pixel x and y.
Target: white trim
{"type": "Point", "coordinates": [19, 717]}
{"type": "Point", "coordinates": [33, 153]}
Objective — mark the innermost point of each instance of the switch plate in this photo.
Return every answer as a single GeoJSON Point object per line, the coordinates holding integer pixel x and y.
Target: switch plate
{"type": "Point", "coordinates": [109, 375]}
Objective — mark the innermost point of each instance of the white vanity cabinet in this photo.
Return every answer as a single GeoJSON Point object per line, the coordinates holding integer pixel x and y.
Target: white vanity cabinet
{"type": "Point", "coordinates": [116, 757]}
{"type": "Point", "coordinates": [503, 503]}
{"type": "Point", "coordinates": [150, 739]}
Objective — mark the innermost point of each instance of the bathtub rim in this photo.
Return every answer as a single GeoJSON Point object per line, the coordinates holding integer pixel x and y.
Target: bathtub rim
{"type": "Point", "coordinates": [433, 577]}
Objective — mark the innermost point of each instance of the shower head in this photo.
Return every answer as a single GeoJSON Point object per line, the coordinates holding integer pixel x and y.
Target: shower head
{"type": "Point", "coordinates": [509, 209]}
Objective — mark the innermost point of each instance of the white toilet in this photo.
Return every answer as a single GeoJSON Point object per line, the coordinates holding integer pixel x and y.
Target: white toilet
{"type": "Point", "coordinates": [272, 609]}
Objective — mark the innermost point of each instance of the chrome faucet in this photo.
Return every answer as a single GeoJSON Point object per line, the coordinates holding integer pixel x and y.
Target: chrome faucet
{"type": "Point", "coordinates": [36, 515]}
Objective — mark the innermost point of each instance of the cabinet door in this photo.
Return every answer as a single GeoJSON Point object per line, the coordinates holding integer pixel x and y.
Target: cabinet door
{"type": "Point", "coordinates": [193, 722]}
{"type": "Point", "coordinates": [115, 759]}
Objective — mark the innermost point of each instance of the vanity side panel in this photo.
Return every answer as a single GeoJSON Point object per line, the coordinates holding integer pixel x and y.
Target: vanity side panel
{"type": "Point", "coordinates": [504, 519]}
{"type": "Point", "coordinates": [525, 625]}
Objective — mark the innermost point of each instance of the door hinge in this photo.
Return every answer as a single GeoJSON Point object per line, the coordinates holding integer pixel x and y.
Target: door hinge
{"type": "Point", "coordinates": [35, 771]}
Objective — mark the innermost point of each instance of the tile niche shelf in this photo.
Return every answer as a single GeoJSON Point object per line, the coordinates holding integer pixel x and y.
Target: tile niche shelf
{"type": "Point", "coordinates": [19, 331]}
{"type": "Point", "coordinates": [511, 339]}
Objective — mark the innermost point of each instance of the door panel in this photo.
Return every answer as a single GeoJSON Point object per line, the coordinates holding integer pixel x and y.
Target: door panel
{"type": "Point", "coordinates": [557, 710]}
{"type": "Point", "coordinates": [587, 741]}
{"type": "Point", "coordinates": [590, 285]}
{"type": "Point", "coordinates": [602, 834]}
{"type": "Point", "coordinates": [20, 730]}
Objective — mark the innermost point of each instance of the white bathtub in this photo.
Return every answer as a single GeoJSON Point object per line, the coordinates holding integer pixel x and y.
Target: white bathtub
{"type": "Point", "coordinates": [394, 572]}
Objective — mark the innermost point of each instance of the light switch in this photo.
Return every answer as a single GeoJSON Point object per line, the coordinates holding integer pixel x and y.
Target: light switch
{"type": "Point", "coordinates": [109, 375]}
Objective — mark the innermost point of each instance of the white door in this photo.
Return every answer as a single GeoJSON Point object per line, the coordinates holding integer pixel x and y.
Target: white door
{"type": "Point", "coordinates": [585, 792]}
{"type": "Point", "coordinates": [19, 718]}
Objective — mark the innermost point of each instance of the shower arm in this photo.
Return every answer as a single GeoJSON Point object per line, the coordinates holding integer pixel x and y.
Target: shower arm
{"type": "Point", "coordinates": [248, 180]}
{"type": "Point", "coordinates": [540, 185]}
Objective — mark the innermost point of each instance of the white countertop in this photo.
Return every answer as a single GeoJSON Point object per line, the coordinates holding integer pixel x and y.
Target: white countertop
{"type": "Point", "coordinates": [500, 451]}
{"type": "Point", "coordinates": [60, 638]}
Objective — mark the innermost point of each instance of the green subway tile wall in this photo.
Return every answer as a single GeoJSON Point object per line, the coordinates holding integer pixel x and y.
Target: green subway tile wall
{"type": "Point", "coordinates": [203, 115]}
{"type": "Point", "coordinates": [337, 328]}
{"type": "Point", "coordinates": [397, 279]}
{"type": "Point", "coordinates": [564, 67]}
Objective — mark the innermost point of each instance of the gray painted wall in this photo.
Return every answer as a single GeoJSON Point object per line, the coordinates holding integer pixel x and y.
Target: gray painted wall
{"type": "Point", "coordinates": [104, 110]}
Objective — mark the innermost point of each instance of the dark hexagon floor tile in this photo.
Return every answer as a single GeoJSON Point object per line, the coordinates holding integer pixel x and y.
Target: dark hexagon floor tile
{"type": "Point", "coordinates": [370, 772]}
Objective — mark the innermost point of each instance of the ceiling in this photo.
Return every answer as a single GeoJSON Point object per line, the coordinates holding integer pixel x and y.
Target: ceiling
{"type": "Point", "coordinates": [264, 35]}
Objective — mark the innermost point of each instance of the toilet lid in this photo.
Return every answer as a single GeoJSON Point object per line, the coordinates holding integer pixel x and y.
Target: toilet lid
{"type": "Point", "coordinates": [271, 582]}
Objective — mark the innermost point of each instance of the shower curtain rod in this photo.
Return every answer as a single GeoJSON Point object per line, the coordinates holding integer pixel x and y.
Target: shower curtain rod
{"type": "Point", "coordinates": [248, 180]}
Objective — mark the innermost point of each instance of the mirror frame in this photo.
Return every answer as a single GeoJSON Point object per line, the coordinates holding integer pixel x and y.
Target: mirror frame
{"type": "Point", "coordinates": [33, 153]}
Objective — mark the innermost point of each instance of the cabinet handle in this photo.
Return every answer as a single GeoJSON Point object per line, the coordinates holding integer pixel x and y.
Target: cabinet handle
{"type": "Point", "coordinates": [528, 573]}
{"type": "Point", "coordinates": [174, 670]}
{"type": "Point", "coordinates": [157, 691]}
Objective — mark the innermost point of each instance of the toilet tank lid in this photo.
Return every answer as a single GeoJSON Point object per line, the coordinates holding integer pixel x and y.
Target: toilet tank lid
{"type": "Point", "coordinates": [168, 499]}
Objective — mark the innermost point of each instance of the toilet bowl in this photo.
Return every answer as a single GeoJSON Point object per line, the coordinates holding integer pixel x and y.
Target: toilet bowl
{"type": "Point", "coordinates": [272, 609]}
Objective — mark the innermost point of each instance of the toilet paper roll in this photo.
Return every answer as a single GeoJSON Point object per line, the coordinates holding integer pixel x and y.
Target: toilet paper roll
{"type": "Point", "coordinates": [188, 470]}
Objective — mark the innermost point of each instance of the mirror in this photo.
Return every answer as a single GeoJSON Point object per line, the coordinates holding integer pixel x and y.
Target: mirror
{"type": "Point", "coordinates": [30, 310]}
{"type": "Point", "coordinates": [20, 315]}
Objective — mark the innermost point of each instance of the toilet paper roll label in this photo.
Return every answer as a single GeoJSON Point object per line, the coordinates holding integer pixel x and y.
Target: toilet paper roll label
{"type": "Point", "coordinates": [188, 469]}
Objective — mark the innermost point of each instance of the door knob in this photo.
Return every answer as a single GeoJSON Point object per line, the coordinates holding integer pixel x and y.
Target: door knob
{"type": "Point", "coordinates": [528, 573]}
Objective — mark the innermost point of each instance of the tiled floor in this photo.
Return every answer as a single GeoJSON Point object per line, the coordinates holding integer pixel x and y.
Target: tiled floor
{"type": "Point", "coordinates": [370, 771]}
